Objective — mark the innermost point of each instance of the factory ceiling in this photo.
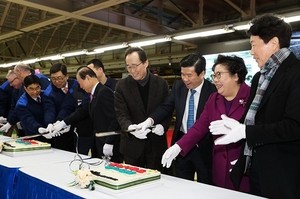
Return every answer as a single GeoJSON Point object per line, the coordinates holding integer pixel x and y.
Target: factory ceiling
{"type": "Point", "coordinates": [35, 28]}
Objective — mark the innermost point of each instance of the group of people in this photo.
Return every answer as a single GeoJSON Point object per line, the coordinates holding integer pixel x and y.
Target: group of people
{"type": "Point", "coordinates": [231, 135]}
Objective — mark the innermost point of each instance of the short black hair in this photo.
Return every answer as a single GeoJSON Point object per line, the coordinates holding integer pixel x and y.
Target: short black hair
{"type": "Point", "coordinates": [195, 59]}
{"type": "Point", "coordinates": [59, 67]}
{"type": "Point", "coordinates": [268, 26]}
{"type": "Point", "coordinates": [140, 52]}
{"type": "Point", "coordinates": [31, 79]}
{"type": "Point", "coordinates": [234, 64]}
{"type": "Point", "coordinates": [97, 63]}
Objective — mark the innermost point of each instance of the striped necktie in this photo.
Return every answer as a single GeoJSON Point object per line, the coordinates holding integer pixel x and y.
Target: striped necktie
{"type": "Point", "coordinates": [190, 120]}
{"type": "Point", "coordinates": [38, 99]}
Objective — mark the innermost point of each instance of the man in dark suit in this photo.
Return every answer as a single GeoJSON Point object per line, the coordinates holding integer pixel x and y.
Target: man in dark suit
{"type": "Point", "coordinates": [100, 109]}
{"type": "Point", "coordinates": [272, 119]}
{"type": "Point", "coordinates": [136, 97]}
{"type": "Point", "coordinates": [97, 66]}
{"type": "Point", "coordinates": [199, 159]}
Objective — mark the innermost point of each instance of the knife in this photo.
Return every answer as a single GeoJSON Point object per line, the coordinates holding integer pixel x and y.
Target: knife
{"type": "Point", "coordinates": [31, 136]}
{"type": "Point", "coordinates": [108, 133]}
{"type": "Point", "coordinates": [118, 132]}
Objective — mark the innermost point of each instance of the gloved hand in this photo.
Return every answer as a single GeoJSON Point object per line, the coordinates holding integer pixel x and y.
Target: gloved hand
{"type": "Point", "coordinates": [62, 131]}
{"type": "Point", "coordinates": [5, 127]}
{"type": "Point", "coordinates": [158, 130]}
{"type": "Point", "coordinates": [108, 149]}
{"type": "Point", "coordinates": [57, 127]}
{"type": "Point", "coordinates": [19, 126]}
{"type": "Point", "coordinates": [138, 133]}
{"type": "Point", "coordinates": [145, 124]}
{"type": "Point", "coordinates": [233, 163]}
{"type": "Point", "coordinates": [233, 130]}
{"type": "Point", "coordinates": [44, 131]}
{"type": "Point", "coordinates": [170, 155]}
{"type": "Point", "coordinates": [3, 120]}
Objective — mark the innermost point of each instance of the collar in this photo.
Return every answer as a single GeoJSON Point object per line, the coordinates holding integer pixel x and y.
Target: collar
{"type": "Point", "coordinates": [94, 88]}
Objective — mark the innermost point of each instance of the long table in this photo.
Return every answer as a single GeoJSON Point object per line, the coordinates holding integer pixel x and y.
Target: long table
{"type": "Point", "coordinates": [42, 180]}
{"type": "Point", "coordinates": [9, 166]}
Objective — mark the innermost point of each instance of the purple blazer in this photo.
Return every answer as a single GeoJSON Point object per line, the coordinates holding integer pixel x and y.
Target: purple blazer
{"type": "Point", "coordinates": [222, 154]}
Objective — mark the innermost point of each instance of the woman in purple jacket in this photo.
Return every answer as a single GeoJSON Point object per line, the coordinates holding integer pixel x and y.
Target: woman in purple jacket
{"type": "Point", "coordinates": [229, 73]}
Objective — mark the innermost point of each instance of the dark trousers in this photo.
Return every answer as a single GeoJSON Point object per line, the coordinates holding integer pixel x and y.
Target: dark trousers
{"type": "Point", "coordinates": [193, 162]}
{"type": "Point", "coordinates": [83, 144]}
{"type": "Point", "coordinates": [149, 158]}
{"type": "Point", "coordinates": [97, 151]}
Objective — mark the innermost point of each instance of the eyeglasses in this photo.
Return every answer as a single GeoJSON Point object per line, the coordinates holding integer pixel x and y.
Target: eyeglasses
{"type": "Point", "coordinates": [31, 89]}
{"type": "Point", "coordinates": [217, 75]}
{"type": "Point", "coordinates": [59, 78]}
{"type": "Point", "coordinates": [10, 82]}
{"type": "Point", "coordinates": [133, 66]}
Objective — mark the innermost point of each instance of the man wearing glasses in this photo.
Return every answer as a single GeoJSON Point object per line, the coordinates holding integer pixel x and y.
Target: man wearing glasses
{"type": "Point", "coordinates": [21, 71]}
{"type": "Point", "coordinates": [136, 97]}
{"type": "Point", "coordinates": [58, 105]}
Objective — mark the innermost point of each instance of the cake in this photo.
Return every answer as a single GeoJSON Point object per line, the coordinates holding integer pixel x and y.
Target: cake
{"type": "Point", "coordinates": [25, 147]}
{"type": "Point", "coordinates": [118, 176]}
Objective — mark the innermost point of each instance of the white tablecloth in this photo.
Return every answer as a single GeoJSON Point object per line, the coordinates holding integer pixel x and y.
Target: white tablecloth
{"type": "Point", "coordinates": [167, 187]}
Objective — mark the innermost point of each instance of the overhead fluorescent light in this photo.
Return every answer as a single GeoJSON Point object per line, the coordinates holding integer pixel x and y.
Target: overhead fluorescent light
{"type": "Point", "coordinates": [30, 61]}
{"type": "Point", "coordinates": [111, 47]}
{"type": "Point", "coordinates": [150, 42]}
{"type": "Point", "coordinates": [52, 57]}
{"type": "Point", "coordinates": [292, 19]}
{"type": "Point", "coordinates": [70, 54]}
{"type": "Point", "coordinates": [94, 52]}
{"type": "Point", "coordinates": [242, 27]}
{"type": "Point", "coordinates": [204, 33]}
{"type": "Point", "coordinates": [9, 64]}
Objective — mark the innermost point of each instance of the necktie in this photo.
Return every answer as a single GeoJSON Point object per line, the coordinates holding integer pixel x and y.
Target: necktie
{"type": "Point", "coordinates": [65, 89]}
{"type": "Point", "coordinates": [190, 120]}
{"type": "Point", "coordinates": [91, 97]}
{"type": "Point", "coordinates": [38, 99]}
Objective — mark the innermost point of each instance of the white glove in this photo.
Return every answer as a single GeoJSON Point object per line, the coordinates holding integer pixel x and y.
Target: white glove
{"type": "Point", "coordinates": [158, 130]}
{"type": "Point", "coordinates": [44, 131]}
{"type": "Point", "coordinates": [145, 124]}
{"type": "Point", "coordinates": [138, 133]}
{"type": "Point", "coordinates": [57, 127]}
{"type": "Point", "coordinates": [170, 155]}
{"type": "Point", "coordinates": [5, 127]}
{"type": "Point", "coordinates": [3, 120]}
{"type": "Point", "coordinates": [19, 126]}
{"type": "Point", "coordinates": [62, 131]}
{"type": "Point", "coordinates": [233, 130]}
{"type": "Point", "coordinates": [108, 149]}
{"type": "Point", "coordinates": [233, 163]}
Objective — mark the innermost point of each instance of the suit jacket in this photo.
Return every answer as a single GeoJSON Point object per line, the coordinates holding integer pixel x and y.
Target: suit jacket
{"type": "Point", "coordinates": [100, 110]}
{"type": "Point", "coordinates": [275, 137]}
{"type": "Point", "coordinates": [130, 110]}
{"type": "Point", "coordinates": [222, 154]}
{"type": "Point", "coordinates": [176, 101]}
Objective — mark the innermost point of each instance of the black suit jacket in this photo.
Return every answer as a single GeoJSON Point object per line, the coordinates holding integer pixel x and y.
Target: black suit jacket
{"type": "Point", "coordinates": [176, 101]}
{"type": "Point", "coordinates": [100, 110]}
{"type": "Point", "coordinates": [275, 137]}
{"type": "Point", "coordinates": [130, 110]}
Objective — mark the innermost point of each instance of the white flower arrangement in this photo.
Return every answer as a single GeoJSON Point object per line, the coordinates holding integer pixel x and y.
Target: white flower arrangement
{"type": "Point", "coordinates": [84, 178]}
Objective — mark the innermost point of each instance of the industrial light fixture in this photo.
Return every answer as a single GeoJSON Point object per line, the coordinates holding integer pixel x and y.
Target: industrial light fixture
{"type": "Point", "coordinates": [150, 41]}
{"type": "Point", "coordinates": [30, 61]}
{"type": "Point", "coordinates": [94, 52]}
{"type": "Point", "coordinates": [203, 33]}
{"type": "Point", "coordinates": [52, 57]}
{"type": "Point", "coordinates": [75, 53]}
{"type": "Point", "coordinates": [111, 47]}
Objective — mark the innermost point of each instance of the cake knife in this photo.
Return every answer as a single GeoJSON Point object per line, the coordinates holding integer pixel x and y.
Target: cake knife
{"type": "Point", "coordinates": [31, 136]}
{"type": "Point", "coordinates": [118, 132]}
